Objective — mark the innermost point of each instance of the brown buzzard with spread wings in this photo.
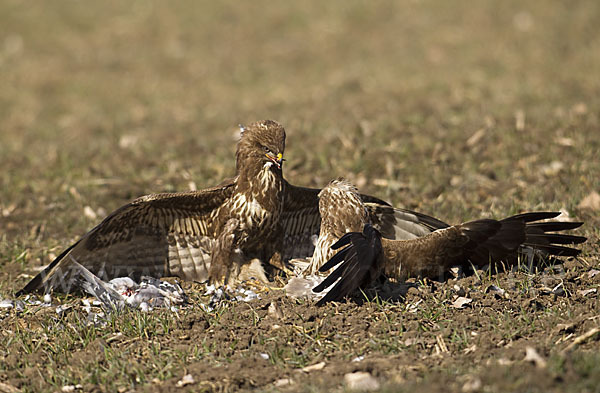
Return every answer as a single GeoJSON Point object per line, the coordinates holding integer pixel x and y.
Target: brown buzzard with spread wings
{"type": "Point", "coordinates": [219, 233]}
{"type": "Point", "coordinates": [365, 256]}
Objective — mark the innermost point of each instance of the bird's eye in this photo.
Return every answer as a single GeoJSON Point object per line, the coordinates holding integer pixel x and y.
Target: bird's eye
{"type": "Point", "coordinates": [266, 149]}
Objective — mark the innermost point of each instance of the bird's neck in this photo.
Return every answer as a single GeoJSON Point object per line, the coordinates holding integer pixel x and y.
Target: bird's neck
{"type": "Point", "coordinates": [260, 180]}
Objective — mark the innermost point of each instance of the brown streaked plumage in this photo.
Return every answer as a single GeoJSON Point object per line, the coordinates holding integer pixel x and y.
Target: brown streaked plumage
{"type": "Point", "coordinates": [365, 256]}
{"type": "Point", "coordinates": [196, 235]}
{"type": "Point", "coordinates": [338, 216]}
{"type": "Point", "coordinates": [342, 211]}
{"type": "Point", "coordinates": [218, 233]}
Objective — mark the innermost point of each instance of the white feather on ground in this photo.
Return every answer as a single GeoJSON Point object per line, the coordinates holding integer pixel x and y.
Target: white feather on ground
{"type": "Point", "coordinates": [301, 287]}
{"type": "Point", "coordinates": [119, 292]}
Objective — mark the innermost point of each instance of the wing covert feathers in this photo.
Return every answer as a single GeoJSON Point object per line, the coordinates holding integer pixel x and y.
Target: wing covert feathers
{"type": "Point", "coordinates": [479, 242]}
{"type": "Point", "coordinates": [157, 235]}
{"type": "Point", "coordinates": [301, 220]}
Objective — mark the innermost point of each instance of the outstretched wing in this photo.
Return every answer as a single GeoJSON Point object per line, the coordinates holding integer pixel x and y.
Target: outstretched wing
{"type": "Point", "coordinates": [400, 224]}
{"type": "Point", "coordinates": [480, 242]}
{"type": "Point", "coordinates": [367, 256]}
{"type": "Point", "coordinates": [301, 220]}
{"type": "Point", "coordinates": [156, 235]}
{"type": "Point", "coordinates": [527, 235]}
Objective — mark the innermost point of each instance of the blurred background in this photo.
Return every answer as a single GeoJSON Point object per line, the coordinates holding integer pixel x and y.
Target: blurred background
{"type": "Point", "coordinates": [458, 109]}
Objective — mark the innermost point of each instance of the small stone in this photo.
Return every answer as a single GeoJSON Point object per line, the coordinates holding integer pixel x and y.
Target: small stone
{"type": "Point", "coordinates": [531, 355]}
{"type": "Point", "coordinates": [459, 290]}
{"type": "Point", "coordinates": [590, 202]}
{"type": "Point", "coordinates": [89, 213]}
{"type": "Point", "coordinates": [314, 367]}
{"type": "Point", "coordinates": [7, 210]}
{"type": "Point", "coordinates": [553, 168]}
{"type": "Point", "coordinates": [71, 388]}
{"type": "Point", "coordinates": [461, 302]}
{"type": "Point", "coordinates": [7, 303]}
{"type": "Point", "coordinates": [585, 292]}
{"type": "Point", "coordinates": [275, 311]}
{"type": "Point", "coordinates": [592, 273]}
{"type": "Point", "coordinates": [187, 379]}
{"type": "Point", "coordinates": [283, 382]}
{"type": "Point", "coordinates": [498, 292]}
{"type": "Point", "coordinates": [361, 380]}
{"type": "Point", "coordinates": [456, 271]}
{"type": "Point", "coordinates": [472, 385]}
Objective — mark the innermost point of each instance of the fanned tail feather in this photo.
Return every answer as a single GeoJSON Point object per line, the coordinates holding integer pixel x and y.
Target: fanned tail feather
{"type": "Point", "coordinates": [523, 233]}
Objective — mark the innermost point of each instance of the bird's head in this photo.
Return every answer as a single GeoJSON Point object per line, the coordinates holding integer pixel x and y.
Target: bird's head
{"type": "Point", "coordinates": [262, 143]}
{"type": "Point", "coordinates": [342, 208]}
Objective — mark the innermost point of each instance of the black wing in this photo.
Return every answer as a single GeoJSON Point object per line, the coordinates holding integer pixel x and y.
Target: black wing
{"type": "Point", "coordinates": [359, 264]}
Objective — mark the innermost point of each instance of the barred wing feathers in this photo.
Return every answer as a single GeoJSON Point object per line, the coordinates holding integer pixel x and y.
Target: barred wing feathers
{"type": "Point", "coordinates": [478, 242]}
{"type": "Point", "coordinates": [158, 235]}
{"type": "Point", "coordinates": [301, 220]}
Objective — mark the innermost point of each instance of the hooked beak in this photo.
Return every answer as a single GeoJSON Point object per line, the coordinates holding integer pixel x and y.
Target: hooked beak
{"type": "Point", "coordinates": [277, 160]}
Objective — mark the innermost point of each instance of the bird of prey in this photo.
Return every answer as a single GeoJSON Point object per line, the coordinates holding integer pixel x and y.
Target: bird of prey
{"type": "Point", "coordinates": [340, 199]}
{"type": "Point", "coordinates": [195, 235]}
{"type": "Point", "coordinates": [223, 234]}
{"type": "Point", "coordinates": [365, 256]}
